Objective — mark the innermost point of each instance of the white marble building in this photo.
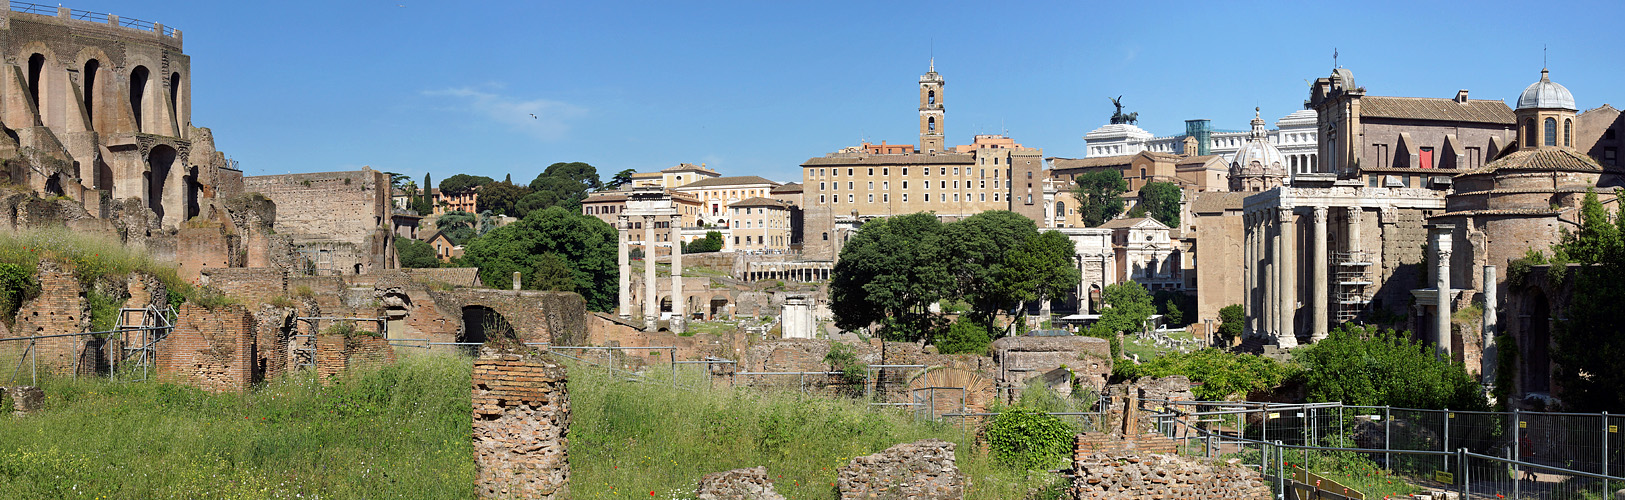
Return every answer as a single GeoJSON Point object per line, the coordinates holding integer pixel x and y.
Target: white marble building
{"type": "Point", "coordinates": [1294, 135]}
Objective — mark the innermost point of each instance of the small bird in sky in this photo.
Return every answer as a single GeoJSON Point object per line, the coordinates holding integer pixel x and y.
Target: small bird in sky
{"type": "Point", "coordinates": [533, 116]}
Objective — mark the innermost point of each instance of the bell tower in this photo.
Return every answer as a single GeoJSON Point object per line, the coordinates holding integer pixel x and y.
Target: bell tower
{"type": "Point", "coordinates": [931, 114]}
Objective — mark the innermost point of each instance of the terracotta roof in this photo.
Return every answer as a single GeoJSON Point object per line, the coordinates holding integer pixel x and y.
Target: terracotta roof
{"type": "Point", "coordinates": [717, 182]}
{"type": "Point", "coordinates": [1210, 202]}
{"type": "Point", "coordinates": [759, 202]}
{"type": "Point", "coordinates": [1560, 160]}
{"type": "Point", "coordinates": [1160, 156]}
{"type": "Point", "coordinates": [792, 187]}
{"type": "Point", "coordinates": [1431, 108]}
{"type": "Point", "coordinates": [1500, 211]}
{"type": "Point", "coordinates": [1096, 162]}
{"type": "Point", "coordinates": [1198, 160]}
{"type": "Point", "coordinates": [903, 159]}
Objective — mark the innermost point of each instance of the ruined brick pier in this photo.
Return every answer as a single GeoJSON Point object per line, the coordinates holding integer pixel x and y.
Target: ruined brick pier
{"type": "Point", "coordinates": [521, 426]}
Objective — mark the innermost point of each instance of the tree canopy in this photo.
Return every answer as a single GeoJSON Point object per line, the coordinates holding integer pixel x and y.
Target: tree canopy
{"type": "Point", "coordinates": [1099, 194]}
{"type": "Point", "coordinates": [621, 178]}
{"type": "Point", "coordinates": [1127, 307]}
{"type": "Point", "coordinates": [561, 185]}
{"type": "Point", "coordinates": [1223, 374]}
{"type": "Point", "coordinates": [894, 268]}
{"type": "Point", "coordinates": [502, 198]}
{"type": "Point", "coordinates": [415, 254]}
{"type": "Point", "coordinates": [1589, 342]}
{"type": "Point", "coordinates": [1360, 365]}
{"type": "Point", "coordinates": [1161, 202]}
{"type": "Point", "coordinates": [711, 243]}
{"type": "Point", "coordinates": [461, 183]}
{"type": "Point", "coordinates": [552, 249]}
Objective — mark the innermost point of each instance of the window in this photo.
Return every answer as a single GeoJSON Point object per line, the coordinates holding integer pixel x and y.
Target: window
{"type": "Point", "coordinates": [1142, 174]}
{"type": "Point", "coordinates": [1551, 131]}
{"type": "Point", "coordinates": [930, 97]}
{"type": "Point", "coordinates": [956, 170]}
{"type": "Point", "coordinates": [983, 197]}
{"type": "Point", "coordinates": [885, 185]}
{"type": "Point", "coordinates": [885, 198]}
{"type": "Point", "coordinates": [820, 172]}
{"type": "Point", "coordinates": [928, 197]}
{"type": "Point", "coordinates": [871, 184]}
{"type": "Point", "coordinates": [871, 172]}
{"type": "Point", "coordinates": [1425, 157]}
{"type": "Point", "coordinates": [1608, 134]}
{"type": "Point", "coordinates": [1610, 156]}
{"type": "Point", "coordinates": [931, 124]}
{"type": "Point", "coordinates": [956, 197]}
{"type": "Point", "coordinates": [1568, 127]}
{"type": "Point", "coordinates": [944, 170]}
{"type": "Point", "coordinates": [1529, 133]}
{"type": "Point", "coordinates": [944, 184]}
{"type": "Point", "coordinates": [905, 170]}
{"type": "Point", "coordinates": [850, 199]}
{"type": "Point", "coordinates": [885, 171]}
{"type": "Point", "coordinates": [849, 172]}
{"type": "Point", "coordinates": [984, 185]}
{"type": "Point", "coordinates": [826, 236]}
{"type": "Point", "coordinates": [820, 186]}
{"type": "Point", "coordinates": [956, 184]}
{"type": "Point", "coordinates": [850, 184]}
{"type": "Point", "coordinates": [995, 160]}
{"type": "Point", "coordinates": [905, 184]}
{"type": "Point", "coordinates": [983, 173]}
{"type": "Point", "coordinates": [871, 198]}
{"type": "Point", "coordinates": [821, 199]}
{"type": "Point", "coordinates": [736, 240]}
{"type": "Point", "coordinates": [905, 197]}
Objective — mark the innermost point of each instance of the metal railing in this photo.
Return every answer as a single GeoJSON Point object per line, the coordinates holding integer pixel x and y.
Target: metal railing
{"type": "Point", "coordinates": [85, 15]}
{"type": "Point", "coordinates": [1477, 454]}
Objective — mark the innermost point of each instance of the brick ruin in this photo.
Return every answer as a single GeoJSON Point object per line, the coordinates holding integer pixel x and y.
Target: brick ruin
{"type": "Point", "coordinates": [521, 415]}
{"type": "Point", "coordinates": [1135, 477]}
{"type": "Point", "coordinates": [921, 470]}
{"type": "Point", "coordinates": [737, 484]}
{"type": "Point", "coordinates": [212, 349]}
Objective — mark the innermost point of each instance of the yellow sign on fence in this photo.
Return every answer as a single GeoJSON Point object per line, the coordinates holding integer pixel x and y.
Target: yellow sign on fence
{"type": "Point", "coordinates": [1444, 477]}
{"type": "Point", "coordinates": [1523, 424]}
{"type": "Point", "coordinates": [1613, 429]}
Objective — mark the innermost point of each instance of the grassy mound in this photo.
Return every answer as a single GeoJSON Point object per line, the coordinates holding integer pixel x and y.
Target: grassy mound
{"type": "Point", "coordinates": [403, 431]}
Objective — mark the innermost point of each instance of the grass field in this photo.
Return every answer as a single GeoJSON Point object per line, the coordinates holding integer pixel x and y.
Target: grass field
{"type": "Point", "coordinates": [403, 431]}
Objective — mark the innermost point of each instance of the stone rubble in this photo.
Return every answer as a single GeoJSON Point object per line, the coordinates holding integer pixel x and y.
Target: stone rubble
{"type": "Point", "coordinates": [737, 484]}
{"type": "Point", "coordinates": [922, 470]}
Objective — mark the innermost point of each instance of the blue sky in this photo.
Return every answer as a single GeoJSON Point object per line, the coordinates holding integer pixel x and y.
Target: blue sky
{"type": "Point", "coordinates": [755, 88]}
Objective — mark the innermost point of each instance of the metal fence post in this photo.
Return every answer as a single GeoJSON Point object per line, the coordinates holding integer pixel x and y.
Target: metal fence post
{"type": "Point", "coordinates": [1466, 474]}
{"type": "Point", "coordinates": [1447, 439]}
{"type": "Point", "coordinates": [1388, 436]}
{"type": "Point", "coordinates": [1605, 444]}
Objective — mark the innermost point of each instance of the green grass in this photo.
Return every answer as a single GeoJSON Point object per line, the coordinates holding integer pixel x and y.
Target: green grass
{"type": "Point", "coordinates": [403, 431]}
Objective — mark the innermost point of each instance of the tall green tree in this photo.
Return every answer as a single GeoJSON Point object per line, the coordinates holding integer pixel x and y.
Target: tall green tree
{"type": "Point", "coordinates": [1360, 365]}
{"type": "Point", "coordinates": [1589, 341]}
{"type": "Point", "coordinates": [888, 273]}
{"type": "Point", "coordinates": [553, 248]}
{"type": "Point", "coordinates": [424, 202]}
{"type": "Point", "coordinates": [1039, 271]}
{"type": "Point", "coordinates": [415, 254]}
{"type": "Point", "coordinates": [459, 227]}
{"type": "Point", "coordinates": [621, 178]}
{"type": "Point", "coordinates": [462, 182]}
{"type": "Point", "coordinates": [1100, 196]}
{"type": "Point", "coordinates": [502, 198]}
{"type": "Point", "coordinates": [1161, 202]}
{"type": "Point", "coordinates": [1232, 319]}
{"type": "Point", "coordinates": [979, 247]}
{"type": "Point", "coordinates": [1127, 307]}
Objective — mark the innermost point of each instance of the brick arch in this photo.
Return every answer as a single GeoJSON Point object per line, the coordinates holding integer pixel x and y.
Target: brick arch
{"type": "Point", "coordinates": [558, 318]}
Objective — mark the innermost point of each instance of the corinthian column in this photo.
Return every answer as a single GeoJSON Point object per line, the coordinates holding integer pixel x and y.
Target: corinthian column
{"type": "Point", "coordinates": [1320, 300]}
{"type": "Point", "coordinates": [624, 260]}
{"type": "Point", "coordinates": [1287, 272]}
{"type": "Point", "coordinates": [677, 302]}
{"type": "Point", "coordinates": [651, 295]}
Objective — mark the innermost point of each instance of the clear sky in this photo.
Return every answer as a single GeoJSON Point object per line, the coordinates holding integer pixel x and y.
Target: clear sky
{"type": "Point", "coordinates": [755, 88]}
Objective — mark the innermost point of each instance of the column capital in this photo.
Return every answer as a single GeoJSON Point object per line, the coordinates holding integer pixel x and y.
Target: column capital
{"type": "Point", "coordinates": [1355, 213]}
{"type": "Point", "coordinates": [1284, 214]}
{"type": "Point", "coordinates": [1320, 214]}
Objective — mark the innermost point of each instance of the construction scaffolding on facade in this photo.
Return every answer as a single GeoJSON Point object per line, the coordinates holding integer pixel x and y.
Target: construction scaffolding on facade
{"type": "Point", "coordinates": [1353, 277]}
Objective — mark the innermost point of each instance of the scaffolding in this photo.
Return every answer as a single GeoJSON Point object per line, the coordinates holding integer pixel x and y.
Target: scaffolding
{"type": "Point", "coordinates": [138, 331]}
{"type": "Point", "coordinates": [1352, 271]}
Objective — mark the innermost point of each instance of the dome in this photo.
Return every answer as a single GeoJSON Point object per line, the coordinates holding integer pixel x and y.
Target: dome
{"type": "Point", "coordinates": [1546, 94]}
{"type": "Point", "coordinates": [1258, 149]}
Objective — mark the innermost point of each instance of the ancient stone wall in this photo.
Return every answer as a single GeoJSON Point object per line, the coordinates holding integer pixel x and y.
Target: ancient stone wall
{"type": "Point", "coordinates": [559, 318]}
{"type": "Point", "coordinates": [1135, 477]}
{"type": "Point", "coordinates": [59, 309]}
{"type": "Point", "coordinates": [921, 470]}
{"type": "Point", "coordinates": [521, 427]}
{"type": "Point", "coordinates": [737, 484]}
{"type": "Point", "coordinates": [212, 349]}
{"type": "Point", "coordinates": [1026, 357]}
{"type": "Point", "coordinates": [338, 220]}
{"type": "Point", "coordinates": [337, 353]}
{"type": "Point", "coordinates": [250, 284]}
{"type": "Point", "coordinates": [24, 399]}
{"type": "Point", "coordinates": [273, 329]}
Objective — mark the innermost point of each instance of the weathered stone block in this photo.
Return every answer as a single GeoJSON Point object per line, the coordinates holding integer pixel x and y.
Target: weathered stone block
{"type": "Point", "coordinates": [737, 484]}
{"type": "Point", "coordinates": [919, 470]}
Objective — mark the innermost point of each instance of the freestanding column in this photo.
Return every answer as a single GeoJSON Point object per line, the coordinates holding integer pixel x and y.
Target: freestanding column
{"type": "Point", "coordinates": [677, 306]}
{"type": "Point", "coordinates": [1271, 246]}
{"type": "Point", "coordinates": [1490, 350]}
{"type": "Point", "coordinates": [1320, 301]}
{"type": "Point", "coordinates": [651, 296]}
{"type": "Point", "coordinates": [1248, 267]}
{"type": "Point", "coordinates": [623, 259]}
{"type": "Point", "coordinates": [1441, 281]}
{"type": "Point", "coordinates": [1287, 272]}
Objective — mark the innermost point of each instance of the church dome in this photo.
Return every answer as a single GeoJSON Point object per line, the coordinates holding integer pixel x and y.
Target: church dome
{"type": "Point", "coordinates": [1546, 94]}
{"type": "Point", "coordinates": [1257, 152]}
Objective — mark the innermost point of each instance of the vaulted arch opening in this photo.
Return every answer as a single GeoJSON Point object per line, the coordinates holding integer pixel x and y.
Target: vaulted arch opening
{"type": "Point", "coordinates": [89, 77]}
{"type": "Point", "coordinates": [159, 162]}
{"type": "Point", "coordinates": [36, 69]}
{"type": "Point", "coordinates": [138, 93]}
{"type": "Point", "coordinates": [481, 324]}
{"type": "Point", "coordinates": [175, 99]}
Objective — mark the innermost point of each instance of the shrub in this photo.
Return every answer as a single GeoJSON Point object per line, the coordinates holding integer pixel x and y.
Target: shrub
{"type": "Point", "coordinates": [964, 336]}
{"type": "Point", "coordinates": [844, 359]}
{"type": "Point", "coordinates": [1222, 373]}
{"type": "Point", "coordinates": [1232, 319]}
{"type": "Point", "coordinates": [1028, 439]}
{"type": "Point", "coordinates": [1360, 365]}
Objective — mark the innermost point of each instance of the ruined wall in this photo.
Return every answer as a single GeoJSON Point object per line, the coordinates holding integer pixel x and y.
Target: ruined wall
{"type": "Point", "coordinates": [1025, 357]}
{"type": "Point", "coordinates": [521, 427]}
{"type": "Point", "coordinates": [337, 220]}
{"type": "Point", "coordinates": [59, 309]}
{"type": "Point", "coordinates": [922, 470]}
{"type": "Point", "coordinates": [559, 318]}
{"type": "Point", "coordinates": [273, 330]}
{"type": "Point", "coordinates": [212, 349]}
{"type": "Point", "coordinates": [1402, 235]}
{"type": "Point", "coordinates": [250, 284]}
{"type": "Point", "coordinates": [1134, 477]}
{"type": "Point", "coordinates": [737, 484]}
{"type": "Point", "coordinates": [337, 353]}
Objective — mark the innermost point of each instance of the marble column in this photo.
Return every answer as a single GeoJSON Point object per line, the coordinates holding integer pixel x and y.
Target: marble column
{"type": "Point", "coordinates": [1270, 247]}
{"type": "Point", "coordinates": [1490, 350]}
{"type": "Point", "coordinates": [678, 305]}
{"type": "Point", "coordinates": [623, 259]}
{"type": "Point", "coordinates": [1286, 271]}
{"type": "Point", "coordinates": [1356, 216]}
{"type": "Point", "coordinates": [651, 295]}
{"type": "Point", "coordinates": [1321, 286]}
{"type": "Point", "coordinates": [1250, 267]}
{"type": "Point", "coordinates": [1441, 282]}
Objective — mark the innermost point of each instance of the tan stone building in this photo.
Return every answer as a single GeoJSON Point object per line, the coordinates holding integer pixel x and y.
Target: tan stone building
{"type": "Point", "coordinates": [1216, 250]}
{"type": "Point", "coordinates": [464, 201]}
{"type": "Point", "coordinates": [842, 189]}
{"type": "Point", "coordinates": [717, 193]}
{"type": "Point", "coordinates": [674, 177]}
{"type": "Point", "coordinates": [760, 225]}
{"type": "Point", "coordinates": [1146, 254]}
{"type": "Point", "coordinates": [1598, 134]}
{"type": "Point", "coordinates": [1404, 141]}
{"type": "Point", "coordinates": [608, 205]}
{"type": "Point", "coordinates": [340, 223]}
